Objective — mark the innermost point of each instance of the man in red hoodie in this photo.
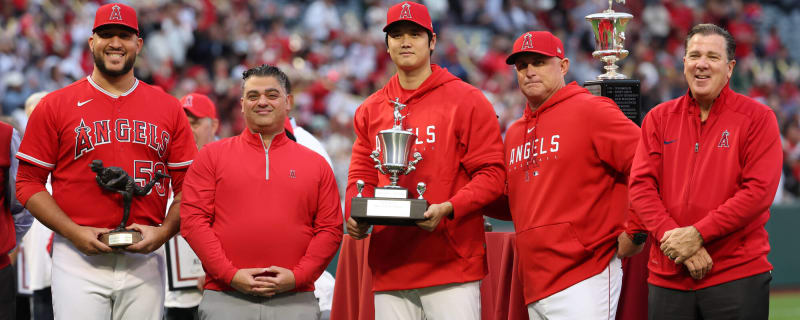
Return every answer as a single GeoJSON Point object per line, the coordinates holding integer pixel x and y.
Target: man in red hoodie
{"type": "Point", "coordinates": [567, 162]}
{"type": "Point", "coordinates": [705, 173]}
{"type": "Point", "coordinates": [262, 212]}
{"type": "Point", "coordinates": [432, 270]}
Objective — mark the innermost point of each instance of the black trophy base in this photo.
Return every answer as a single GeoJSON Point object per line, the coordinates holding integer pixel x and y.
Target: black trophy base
{"type": "Point", "coordinates": [388, 211]}
{"type": "Point", "coordinates": [626, 93]}
{"type": "Point", "coordinates": [121, 238]}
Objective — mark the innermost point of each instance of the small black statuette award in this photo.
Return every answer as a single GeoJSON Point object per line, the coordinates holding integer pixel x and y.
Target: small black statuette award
{"type": "Point", "coordinates": [117, 180]}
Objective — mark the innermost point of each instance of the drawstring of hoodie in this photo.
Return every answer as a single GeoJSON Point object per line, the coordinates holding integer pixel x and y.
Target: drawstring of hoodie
{"type": "Point", "coordinates": [531, 158]}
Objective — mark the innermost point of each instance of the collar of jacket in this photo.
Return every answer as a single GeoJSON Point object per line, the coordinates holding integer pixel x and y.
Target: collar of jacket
{"type": "Point", "coordinates": [562, 94]}
{"type": "Point", "coordinates": [254, 138]}
{"type": "Point", "coordinates": [719, 104]}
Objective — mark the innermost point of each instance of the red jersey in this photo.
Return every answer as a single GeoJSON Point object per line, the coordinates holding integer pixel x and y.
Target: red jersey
{"type": "Point", "coordinates": [458, 136]}
{"type": "Point", "coordinates": [246, 205]}
{"type": "Point", "coordinates": [567, 165]}
{"type": "Point", "coordinates": [142, 131]}
{"type": "Point", "coordinates": [719, 176]}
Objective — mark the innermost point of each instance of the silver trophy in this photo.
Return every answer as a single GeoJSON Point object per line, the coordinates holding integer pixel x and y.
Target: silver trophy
{"type": "Point", "coordinates": [391, 205]}
{"type": "Point", "coordinates": [396, 144]}
{"type": "Point", "coordinates": [609, 35]}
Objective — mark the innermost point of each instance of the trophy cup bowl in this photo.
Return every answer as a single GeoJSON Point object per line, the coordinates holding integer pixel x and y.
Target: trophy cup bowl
{"type": "Point", "coordinates": [396, 145]}
{"type": "Point", "coordinates": [609, 36]}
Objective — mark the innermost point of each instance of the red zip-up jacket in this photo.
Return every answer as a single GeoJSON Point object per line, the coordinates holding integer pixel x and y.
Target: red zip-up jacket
{"type": "Point", "coordinates": [247, 205]}
{"type": "Point", "coordinates": [458, 136]}
{"type": "Point", "coordinates": [719, 176]}
{"type": "Point", "coordinates": [567, 165]}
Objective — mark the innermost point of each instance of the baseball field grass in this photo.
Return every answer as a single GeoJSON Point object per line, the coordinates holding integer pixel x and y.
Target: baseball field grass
{"type": "Point", "coordinates": [784, 305]}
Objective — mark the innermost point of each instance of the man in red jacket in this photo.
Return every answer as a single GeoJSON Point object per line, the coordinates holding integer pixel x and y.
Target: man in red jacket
{"type": "Point", "coordinates": [433, 271]}
{"type": "Point", "coordinates": [567, 162]}
{"type": "Point", "coordinates": [703, 178]}
{"type": "Point", "coordinates": [261, 212]}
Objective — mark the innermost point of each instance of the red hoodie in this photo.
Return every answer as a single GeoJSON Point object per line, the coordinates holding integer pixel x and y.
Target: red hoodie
{"type": "Point", "coordinates": [719, 176]}
{"type": "Point", "coordinates": [246, 205]}
{"type": "Point", "coordinates": [458, 136]}
{"type": "Point", "coordinates": [567, 165]}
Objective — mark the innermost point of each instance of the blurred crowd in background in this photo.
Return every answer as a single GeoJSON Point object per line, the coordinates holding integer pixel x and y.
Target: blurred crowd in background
{"type": "Point", "coordinates": [335, 53]}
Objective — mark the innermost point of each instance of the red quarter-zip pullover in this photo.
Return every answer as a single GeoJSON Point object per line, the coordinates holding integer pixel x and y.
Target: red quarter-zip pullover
{"type": "Point", "coordinates": [719, 176]}
{"type": "Point", "coordinates": [250, 205]}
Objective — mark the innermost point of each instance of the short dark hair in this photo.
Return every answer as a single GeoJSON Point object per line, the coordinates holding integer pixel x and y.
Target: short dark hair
{"type": "Point", "coordinates": [266, 70]}
{"type": "Point", "coordinates": [708, 29]}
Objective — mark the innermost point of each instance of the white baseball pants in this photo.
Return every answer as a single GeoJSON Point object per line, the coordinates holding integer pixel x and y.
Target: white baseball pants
{"type": "Point", "coordinates": [106, 286]}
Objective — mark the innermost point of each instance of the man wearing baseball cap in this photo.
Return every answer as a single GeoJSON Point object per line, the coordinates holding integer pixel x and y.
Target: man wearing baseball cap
{"type": "Point", "coordinates": [110, 116]}
{"type": "Point", "coordinates": [567, 162]}
{"type": "Point", "coordinates": [202, 115]}
{"type": "Point", "coordinates": [434, 270]}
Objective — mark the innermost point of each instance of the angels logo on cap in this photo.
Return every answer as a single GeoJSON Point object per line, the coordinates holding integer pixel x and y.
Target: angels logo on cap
{"type": "Point", "coordinates": [527, 43]}
{"type": "Point", "coordinates": [406, 12]}
{"type": "Point", "coordinates": [402, 12]}
{"type": "Point", "coordinates": [115, 15]}
{"type": "Point", "coordinates": [541, 42]}
{"type": "Point", "coordinates": [188, 101]}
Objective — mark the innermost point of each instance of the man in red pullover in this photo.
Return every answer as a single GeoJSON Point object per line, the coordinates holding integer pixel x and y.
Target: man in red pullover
{"type": "Point", "coordinates": [433, 270]}
{"type": "Point", "coordinates": [567, 162]}
{"type": "Point", "coordinates": [705, 173]}
{"type": "Point", "coordinates": [262, 212]}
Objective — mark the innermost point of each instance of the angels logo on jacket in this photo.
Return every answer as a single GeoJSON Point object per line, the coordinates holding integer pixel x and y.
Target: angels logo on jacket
{"type": "Point", "coordinates": [541, 149]}
{"type": "Point", "coordinates": [134, 131]}
{"type": "Point", "coordinates": [723, 142]}
{"type": "Point", "coordinates": [405, 13]}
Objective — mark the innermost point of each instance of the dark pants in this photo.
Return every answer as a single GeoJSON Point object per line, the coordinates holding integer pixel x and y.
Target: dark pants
{"type": "Point", "coordinates": [8, 293]}
{"type": "Point", "coordinates": [181, 314]}
{"type": "Point", "coordinates": [43, 304]}
{"type": "Point", "coordinates": [744, 299]}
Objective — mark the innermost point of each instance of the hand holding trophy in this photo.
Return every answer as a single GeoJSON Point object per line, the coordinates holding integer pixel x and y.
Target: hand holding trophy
{"type": "Point", "coordinates": [116, 179]}
{"type": "Point", "coordinates": [391, 205]}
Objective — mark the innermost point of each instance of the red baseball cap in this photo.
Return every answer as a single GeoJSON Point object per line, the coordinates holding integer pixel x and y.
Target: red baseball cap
{"type": "Point", "coordinates": [409, 11]}
{"type": "Point", "coordinates": [539, 42]}
{"type": "Point", "coordinates": [199, 106]}
{"type": "Point", "coordinates": [116, 13]}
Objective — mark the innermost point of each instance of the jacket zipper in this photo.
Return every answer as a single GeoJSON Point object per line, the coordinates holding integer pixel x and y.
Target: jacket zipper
{"type": "Point", "coordinates": [266, 155]}
{"type": "Point", "coordinates": [698, 137]}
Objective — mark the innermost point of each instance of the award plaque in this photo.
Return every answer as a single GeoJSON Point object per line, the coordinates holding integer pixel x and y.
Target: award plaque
{"type": "Point", "coordinates": [391, 205]}
{"type": "Point", "coordinates": [183, 265]}
{"type": "Point", "coordinates": [609, 34]}
{"type": "Point", "coordinates": [117, 180]}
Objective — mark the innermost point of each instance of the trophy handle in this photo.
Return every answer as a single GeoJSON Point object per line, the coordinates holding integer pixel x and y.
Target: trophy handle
{"type": "Point", "coordinates": [412, 163]}
{"type": "Point", "coordinates": [374, 155]}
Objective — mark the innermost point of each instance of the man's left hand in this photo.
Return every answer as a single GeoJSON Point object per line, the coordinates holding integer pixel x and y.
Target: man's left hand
{"type": "Point", "coordinates": [152, 238]}
{"type": "Point", "coordinates": [434, 214]}
{"type": "Point", "coordinates": [282, 281]}
{"type": "Point", "coordinates": [681, 243]}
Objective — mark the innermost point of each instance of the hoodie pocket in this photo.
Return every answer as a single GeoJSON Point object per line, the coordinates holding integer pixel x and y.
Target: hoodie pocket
{"type": "Point", "coordinates": [550, 250]}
